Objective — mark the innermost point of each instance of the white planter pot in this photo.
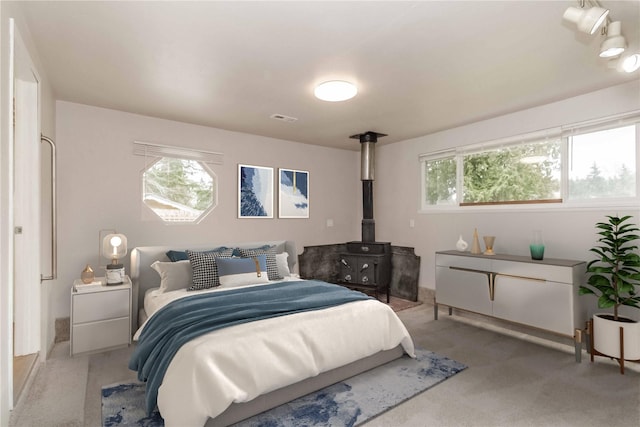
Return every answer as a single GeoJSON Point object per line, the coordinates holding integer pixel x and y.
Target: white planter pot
{"type": "Point", "coordinates": [606, 337]}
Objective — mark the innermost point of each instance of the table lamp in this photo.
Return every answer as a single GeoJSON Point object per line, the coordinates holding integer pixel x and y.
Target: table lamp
{"type": "Point", "coordinates": [114, 247]}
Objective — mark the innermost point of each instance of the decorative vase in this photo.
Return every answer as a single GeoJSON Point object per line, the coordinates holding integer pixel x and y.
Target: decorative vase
{"type": "Point", "coordinates": [488, 242]}
{"type": "Point", "coordinates": [461, 245]}
{"type": "Point", "coordinates": [536, 247]}
{"type": "Point", "coordinates": [606, 336]}
{"type": "Point", "coordinates": [475, 247]}
{"type": "Point", "coordinates": [87, 275]}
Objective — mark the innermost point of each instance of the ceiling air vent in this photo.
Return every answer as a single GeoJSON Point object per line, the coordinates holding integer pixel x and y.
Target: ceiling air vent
{"type": "Point", "coordinates": [283, 118]}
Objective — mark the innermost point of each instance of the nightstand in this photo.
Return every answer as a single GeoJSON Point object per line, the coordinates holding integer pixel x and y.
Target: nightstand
{"type": "Point", "coordinates": [100, 316]}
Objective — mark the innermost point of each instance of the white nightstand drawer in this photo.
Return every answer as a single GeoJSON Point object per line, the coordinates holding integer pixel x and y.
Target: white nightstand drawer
{"type": "Point", "coordinates": [90, 307]}
{"type": "Point", "coordinates": [100, 335]}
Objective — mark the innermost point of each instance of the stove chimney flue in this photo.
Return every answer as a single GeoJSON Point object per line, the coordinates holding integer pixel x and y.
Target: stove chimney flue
{"type": "Point", "coordinates": [367, 163]}
{"type": "Point", "coordinates": [367, 153]}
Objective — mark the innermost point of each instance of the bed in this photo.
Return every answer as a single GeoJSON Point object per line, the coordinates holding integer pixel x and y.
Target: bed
{"type": "Point", "coordinates": [229, 374]}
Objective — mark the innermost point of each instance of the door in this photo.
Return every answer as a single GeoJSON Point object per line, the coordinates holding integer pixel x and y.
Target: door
{"type": "Point", "coordinates": [27, 209]}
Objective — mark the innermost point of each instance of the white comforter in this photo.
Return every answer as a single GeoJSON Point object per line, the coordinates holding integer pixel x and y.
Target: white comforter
{"type": "Point", "coordinates": [239, 363]}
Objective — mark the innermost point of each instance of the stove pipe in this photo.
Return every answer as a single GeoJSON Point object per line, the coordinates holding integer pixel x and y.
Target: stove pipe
{"type": "Point", "coordinates": [367, 162]}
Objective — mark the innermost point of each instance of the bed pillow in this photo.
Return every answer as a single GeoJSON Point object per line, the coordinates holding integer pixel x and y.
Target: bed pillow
{"type": "Point", "coordinates": [173, 275]}
{"type": "Point", "coordinates": [205, 269]}
{"type": "Point", "coordinates": [242, 271]}
{"type": "Point", "coordinates": [270, 253]}
{"type": "Point", "coordinates": [176, 256]}
{"type": "Point", "coordinates": [282, 264]}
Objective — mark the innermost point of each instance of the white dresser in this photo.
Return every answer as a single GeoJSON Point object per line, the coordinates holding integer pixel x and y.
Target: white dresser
{"type": "Point", "coordinates": [100, 316]}
{"type": "Point", "coordinates": [541, 294]}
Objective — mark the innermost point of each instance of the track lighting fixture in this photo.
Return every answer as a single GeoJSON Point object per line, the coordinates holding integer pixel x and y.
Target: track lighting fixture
{"type": "Point", "coordinates": [587, 20]}
{"type": "Point", "coordinates": [614, 44]}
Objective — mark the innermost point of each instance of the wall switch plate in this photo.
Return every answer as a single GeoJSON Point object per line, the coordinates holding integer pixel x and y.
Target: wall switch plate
{"type": "Point", "coordinates": [412, 223]}
{"type": "Point", "coordinates": [330, 222]}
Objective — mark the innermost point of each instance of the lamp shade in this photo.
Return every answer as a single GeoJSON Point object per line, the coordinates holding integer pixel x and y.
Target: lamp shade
{"type": "Point", "coordinates": [587, 20]}
{"type": "Point", "coordinates": [615, 43]}
{"type": "Point", "coordinates": [114, 247]}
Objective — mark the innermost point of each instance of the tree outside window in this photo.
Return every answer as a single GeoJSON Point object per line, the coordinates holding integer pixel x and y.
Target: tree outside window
{"type": "Point", "coordinates": [516, 173]}
{"type": "Point", "coordinates": [179, 190]}
{"type": "Point", "coordinates": [602, 164]}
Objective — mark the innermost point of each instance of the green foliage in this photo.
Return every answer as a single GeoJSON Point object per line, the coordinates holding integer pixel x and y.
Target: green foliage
{"type": "Point", "coordinates": [615, 274]}
{"type": "Point", "coordinates": [440, 180]}
{"type": "Point", "coordinates": [499, 175]}
{"type": "Point", "coordinates": [502, 176]}
{"type": "Point", "coordinates": [595, 185]}
{"type": "Point", "coordinates": [181, 181]}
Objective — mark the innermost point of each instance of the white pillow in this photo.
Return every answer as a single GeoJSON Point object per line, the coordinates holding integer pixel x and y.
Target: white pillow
{"type": "Point", "coordinates": [174, 275]}
{"type": "Point", "coordinates": [282, 264]}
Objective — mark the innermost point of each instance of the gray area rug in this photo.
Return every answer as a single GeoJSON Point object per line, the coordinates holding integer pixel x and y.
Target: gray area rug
{"type": "Point", "coordinates": [347, 403]}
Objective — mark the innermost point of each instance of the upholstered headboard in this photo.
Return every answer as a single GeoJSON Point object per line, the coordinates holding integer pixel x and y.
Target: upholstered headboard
{"type": "Point", "coordinates": [143, 277]}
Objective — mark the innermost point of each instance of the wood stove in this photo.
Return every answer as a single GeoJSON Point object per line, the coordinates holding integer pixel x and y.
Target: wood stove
{"type": "Point", "coordinates": [367, 264]}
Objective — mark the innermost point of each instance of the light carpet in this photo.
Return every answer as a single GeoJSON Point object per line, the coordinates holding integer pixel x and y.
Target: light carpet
{"type": "Point", "coordinates": [347, 403]}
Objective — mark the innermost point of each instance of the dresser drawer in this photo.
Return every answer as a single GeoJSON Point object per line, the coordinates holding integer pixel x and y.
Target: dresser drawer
{"type": "Point", "coordinates": [96, 306]}
{"type": "Point", "coordinates": [100, 335]}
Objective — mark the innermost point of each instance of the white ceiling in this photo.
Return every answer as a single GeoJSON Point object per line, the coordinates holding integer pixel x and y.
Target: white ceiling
{"type": "Point", "coordinates": [420, 66]}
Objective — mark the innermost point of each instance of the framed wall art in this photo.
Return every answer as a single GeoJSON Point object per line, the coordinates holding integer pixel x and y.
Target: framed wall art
{"type": "Point", "coordinates": [293, 197]}
{"type": "Point", "coordinates": [255, 192]}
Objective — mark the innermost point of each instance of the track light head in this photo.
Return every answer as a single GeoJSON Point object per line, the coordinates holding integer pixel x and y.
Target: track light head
{"type": "Point", "coordinates": [626, 63]}
{"type": "Point", "coordinates": [587, 20]}
{"type": "Point", "coordinates": [615, 43]}
{"type": "Point", "coordinates": [630, 63]}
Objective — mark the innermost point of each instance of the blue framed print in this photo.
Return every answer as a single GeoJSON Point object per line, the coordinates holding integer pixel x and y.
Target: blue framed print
{"type": "Point", "coordinates": [293, 197]}
{"type": "Point", "coordinates": [255, 192]}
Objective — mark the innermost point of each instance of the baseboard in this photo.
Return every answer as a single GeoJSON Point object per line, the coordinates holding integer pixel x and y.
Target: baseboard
{"type": "Point", "coordinates": [63, 333]}
{"type": "Point", "coordinates": [426, 295]}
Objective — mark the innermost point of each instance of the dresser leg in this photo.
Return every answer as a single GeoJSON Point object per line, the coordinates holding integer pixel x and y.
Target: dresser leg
{"type": "Point", "coordinates": [577, 342]}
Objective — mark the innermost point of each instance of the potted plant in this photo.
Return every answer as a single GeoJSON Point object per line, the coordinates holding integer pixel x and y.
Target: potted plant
{"type": "Point", "coordinates": [614, 278]}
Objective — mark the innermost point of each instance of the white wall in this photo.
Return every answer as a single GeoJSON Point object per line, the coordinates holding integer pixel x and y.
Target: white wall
{"type": "Point", "coordinates": [567, 234]}
{"type": "Point", "coordinates": [99, 188]}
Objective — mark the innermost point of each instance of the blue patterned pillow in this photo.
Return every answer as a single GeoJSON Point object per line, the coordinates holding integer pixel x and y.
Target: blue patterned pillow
{"type": "Point", "coordinates": [270, 253]}
{"type": "Point", "coordinates": [242, 271]}
{"type": "Point", "coordinates": [205, 269]}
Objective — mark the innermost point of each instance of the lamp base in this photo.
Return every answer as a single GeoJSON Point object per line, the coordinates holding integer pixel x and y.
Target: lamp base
{"type": "Point", "coordinates": [115, 274]}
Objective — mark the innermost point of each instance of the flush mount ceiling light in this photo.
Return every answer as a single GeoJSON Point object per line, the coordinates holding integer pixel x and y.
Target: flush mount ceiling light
{"type": "Point", "coordinates": [335, 91]}
{"type": "Point", "coordinates": [587, 20]}
{"type": "Point", "coordinates": [614, 44]}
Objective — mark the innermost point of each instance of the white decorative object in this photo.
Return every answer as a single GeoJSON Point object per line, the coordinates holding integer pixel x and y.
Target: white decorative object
{"type": "Point", "coordinates": [461, 245]}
